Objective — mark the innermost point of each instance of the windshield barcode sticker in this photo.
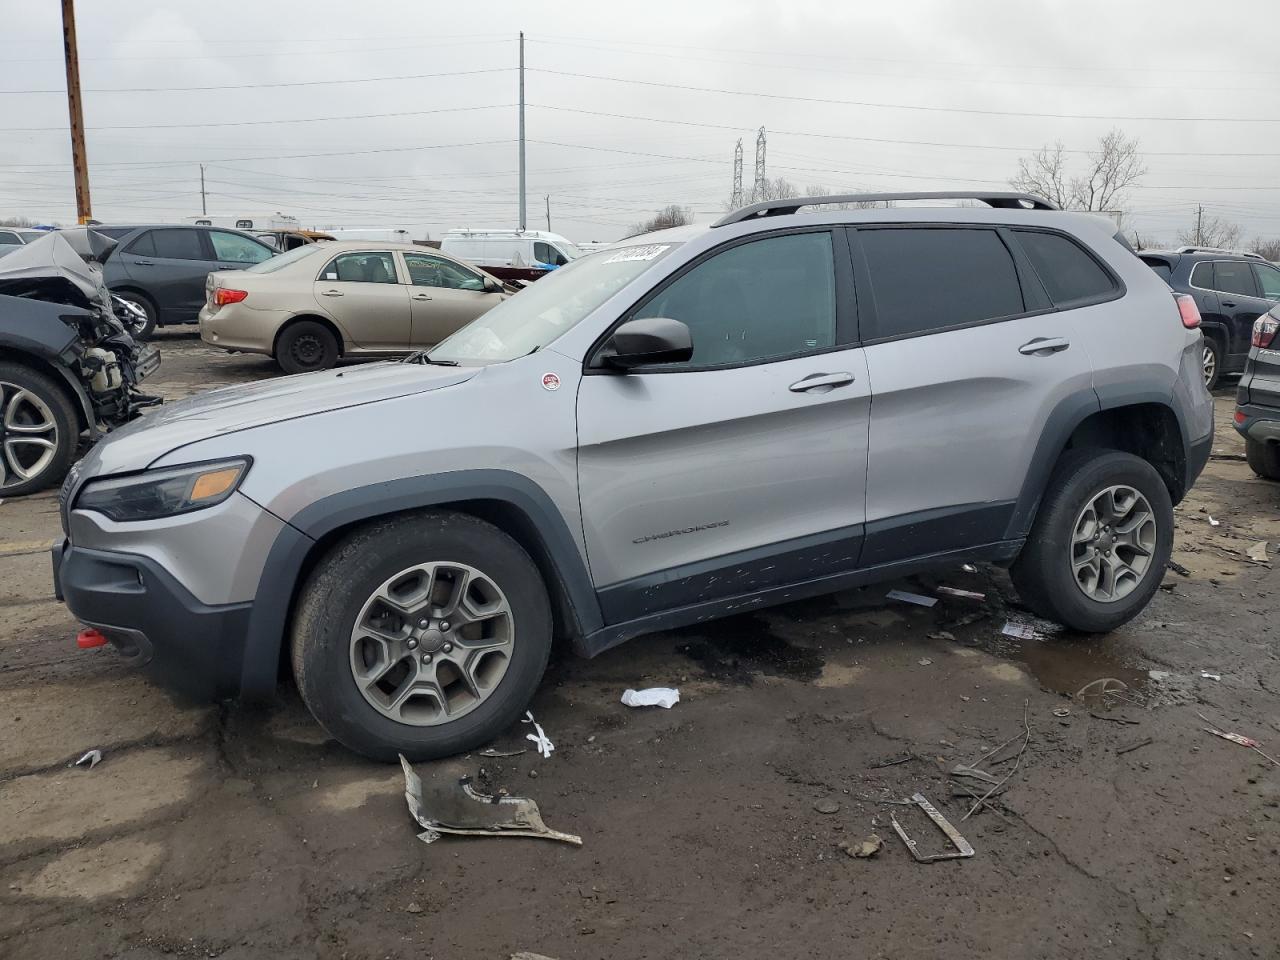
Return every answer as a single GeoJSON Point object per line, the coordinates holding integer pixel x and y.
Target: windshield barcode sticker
{"type": "Point", "coordinates": [639, 253]}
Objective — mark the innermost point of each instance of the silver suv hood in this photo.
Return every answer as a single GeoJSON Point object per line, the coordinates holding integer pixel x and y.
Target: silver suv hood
{"type": "Point", "coordinates": [243, 407]}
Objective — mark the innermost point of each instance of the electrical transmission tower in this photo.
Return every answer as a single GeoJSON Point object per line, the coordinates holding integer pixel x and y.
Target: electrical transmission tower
{"type": "Point", "coordinates": [758, 188]}
{"type": "Point", "coordinates": [735, 198]}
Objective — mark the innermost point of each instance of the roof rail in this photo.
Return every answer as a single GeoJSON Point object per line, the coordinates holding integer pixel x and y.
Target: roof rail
{"type": "Point", "coordinates": [1233, 253]}
{"type": "Point", "coordinates": [775, 208]}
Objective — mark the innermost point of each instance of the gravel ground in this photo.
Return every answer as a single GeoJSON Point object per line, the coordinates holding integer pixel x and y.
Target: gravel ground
{"type": "Point", "coordinates": [225, 831]}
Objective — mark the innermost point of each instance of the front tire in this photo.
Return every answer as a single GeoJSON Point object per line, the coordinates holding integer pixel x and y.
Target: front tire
{"type": "Point", "coordinates": [1264, 458]}
{"type": "Point", "coordinates": [305, 347]}
{"type": "Point", "coordinates": [1100, 542]}
{"type": "Point", "coordinates": [38, 431]}
{"type": "Point", "coordinates": [424, 635]}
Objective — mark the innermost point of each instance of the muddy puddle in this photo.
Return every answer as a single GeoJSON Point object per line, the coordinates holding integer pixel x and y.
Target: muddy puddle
{"type": "Point", "coordinates": [736, 649]}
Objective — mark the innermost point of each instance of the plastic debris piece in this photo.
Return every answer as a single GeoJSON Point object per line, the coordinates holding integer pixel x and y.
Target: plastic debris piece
{"type": "Point", "coordinates": [666, 697]}
{"type": "Point", "coordinates": [906, 597]}
{"type": "Point", "coordinates": [93, 758]}
{"type": "Point", "coordinates": [1061, 712]}
{"type": "Point", "coordinates": [501, 753]}
{"type": "Point", "coordinates": [863, 849]}
{"type": "Point", "coordinates": [1021, 631]}
{"type": "Point", "coordinates": [1213, 522]}
{"type": "Point", "coordinates": [827, 806]}
{"type": "Point", "coordinates": [1178, 568]}
{"type": "Point", "coordinates": [1206, 675]}
{"type": "Point", "coordinates": [454, 807]}
{"type": "Point", "coordinates": [962, 847]}
{"type": "Point", "coordinates": [539, 737]}
{"type": "Point", "coordinates": [1258, 552]}
{"type": "Point", "coordinates": [1129, 748]}
{"type": "Point", "coordinates": [963, 594]}
{"type": "Point", "coordinates": [968, 568]}
{"type": "Point", "coordinates": [1233, 737]}
{"type": "Point", "coordinates": [925, 662]}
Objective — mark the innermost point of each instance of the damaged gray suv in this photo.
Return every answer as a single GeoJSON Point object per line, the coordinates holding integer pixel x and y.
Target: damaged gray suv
{"type": "Point", "coordinates": [689, 424]}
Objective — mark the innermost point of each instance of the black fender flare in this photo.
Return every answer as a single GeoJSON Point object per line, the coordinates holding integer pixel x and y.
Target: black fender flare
{"type": "Point", "coordinates": [303, 532]}
{"type": "Point", "coordinates": [1070, 412]}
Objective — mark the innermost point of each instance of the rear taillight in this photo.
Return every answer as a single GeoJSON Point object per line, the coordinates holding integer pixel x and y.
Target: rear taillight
{"type": "Point", "coordinates": [1264, 330]}
{"type": "Point", "coordinates": [1188, 310]}
{"type": "Point", "coordinates": [224, 295]}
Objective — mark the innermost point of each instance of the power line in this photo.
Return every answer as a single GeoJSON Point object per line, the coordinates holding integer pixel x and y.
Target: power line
{"type": "Point", "coordinates": [273, 53]}
{"type": "Point", "coordinates": [841, 136]}
{"type": "Point", "coordinates": [896, 106]}
{"type": "Point", "coordinates": [263, 123]}
{"type": "Point", "coordinates": [263, 86]}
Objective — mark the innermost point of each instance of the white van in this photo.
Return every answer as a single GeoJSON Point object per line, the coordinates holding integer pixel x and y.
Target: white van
{"type": "Point", "coordinates": [250, 222]}
{"type": "Point", "coordinates": [376, 234]}
{"type": "Point", "coordinates": [522, 250]}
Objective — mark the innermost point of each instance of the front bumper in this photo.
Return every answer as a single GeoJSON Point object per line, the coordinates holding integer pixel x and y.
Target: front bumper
{"type": "Point", "coordinates": [1260, 423]}
{"type": "Point", "coordinates": [153, 620]}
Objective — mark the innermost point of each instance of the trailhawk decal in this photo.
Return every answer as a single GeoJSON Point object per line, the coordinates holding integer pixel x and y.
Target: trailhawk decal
{"type": "Point", "coordinates": [681, 532]}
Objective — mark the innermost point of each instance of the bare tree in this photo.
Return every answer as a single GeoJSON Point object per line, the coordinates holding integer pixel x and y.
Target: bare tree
{"type": "Point", "coordinates": [1111, 169]}
{"type": "Point", "coordinates": [1268, 249]}
{"type": "Point", "coordinates": [1211, 232]}
{"type": "Point", "coordinates": [672, 215]}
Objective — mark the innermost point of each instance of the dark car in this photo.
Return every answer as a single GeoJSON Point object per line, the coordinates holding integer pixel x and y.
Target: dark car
{"type": "Point", "coordinates": [162, 269]}
{"type": "Point", "coordinates": [1258, 398]}
{"type": "Point", "coordinates": [1232, 290]}
{"type": "Point", "coordinates": [11, 238]}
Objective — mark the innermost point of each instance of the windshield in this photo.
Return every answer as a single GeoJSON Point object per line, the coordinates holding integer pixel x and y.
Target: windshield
{"type": "Point", "coordinates": [544, 311]}
{"type": "Point", "coordinates": [284, 259]}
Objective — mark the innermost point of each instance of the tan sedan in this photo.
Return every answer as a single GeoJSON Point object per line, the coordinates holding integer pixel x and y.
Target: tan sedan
{"type": "Point", "coordinates": [347, 298]}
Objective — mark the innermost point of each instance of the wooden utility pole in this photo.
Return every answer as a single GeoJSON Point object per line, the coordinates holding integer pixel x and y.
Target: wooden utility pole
{"type": "Point", "coordinates": [522, 219]}
{"type": "Point", "coordinates": [79, 162]}
{"type": "Point", "coordinates": [548, 213]}
{"type": "Point", "coordinates": [204, 210]}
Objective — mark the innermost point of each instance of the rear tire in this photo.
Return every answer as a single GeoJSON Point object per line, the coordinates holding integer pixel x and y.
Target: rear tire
{"type": "Point", "coordinates": [1054, 573]}
{"type": "Point", "coordinates": [361, 664]}
{"type": "Point", "coordinates": [305, 347]}
{"type": "Point", "coordinates": [39, 430]}
{"type": "Point", "coordinates": [1212, 362]}
{"type": "Point", "coordinates": [1264, 458]}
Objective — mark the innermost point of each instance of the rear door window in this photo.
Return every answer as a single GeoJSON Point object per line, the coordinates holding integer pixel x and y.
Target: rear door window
{"type": "Point", "coordinates": [178, 244]}
{"type": "Point", "coordinates": [1234, 276]}
{"type": "Point", "coordinates": [1268, 280]}
{"type": "Point", "coordinates": [1202, 276]}
{"type": "Point", "coordinates": [930, 279]}
{"type": "Point", "coordinates": [361, 268]}
{"type": "Point", "coordinates": [233, 248]}
{"type": "Point", "coordinates": [1069, 274]}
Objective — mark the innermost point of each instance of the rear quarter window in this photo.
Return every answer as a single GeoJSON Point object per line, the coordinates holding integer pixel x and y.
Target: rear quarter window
{"type": "Point", "coordinates": [1071, 275]}
{"type": "Point", "coordinates": [1163, 269]}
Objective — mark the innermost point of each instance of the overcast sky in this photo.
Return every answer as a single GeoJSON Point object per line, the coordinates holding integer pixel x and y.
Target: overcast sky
{"type": "Point", "coordinates": [293, 113]}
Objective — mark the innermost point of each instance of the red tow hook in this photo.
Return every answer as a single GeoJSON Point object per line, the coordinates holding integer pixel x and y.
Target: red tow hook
{"type": "Point", "coordinates": [89, 638]}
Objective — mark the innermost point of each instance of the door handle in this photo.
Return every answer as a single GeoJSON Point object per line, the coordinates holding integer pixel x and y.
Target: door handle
{"type": "Point", "coordinates": [420, 296]}
{"type": "Point", "coordinates": [1043, 346]}
{"type": "Point", "coordinates": [144, 263]}
{"type": "Point", "coordinates": [332, 293]}
{"type": "Point", "coordinates": [1228, 303]}
{"type": "Point", "coordinates": [821, 382]}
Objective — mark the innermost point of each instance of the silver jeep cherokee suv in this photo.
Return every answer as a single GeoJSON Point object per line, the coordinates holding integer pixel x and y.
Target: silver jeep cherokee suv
{"type": "Point", "coordinates": [689, 424]}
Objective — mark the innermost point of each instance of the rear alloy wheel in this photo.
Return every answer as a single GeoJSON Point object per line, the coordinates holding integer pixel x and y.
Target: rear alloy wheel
{"type": "Point", "coordinates": [1211, 360]}
{"type": "Point", "coordinates": [1100, 542]}
{"type": "Point", "coordinates": [305, 347]}
{"type": "Point", "coordinates": [423, 635]}
{"type": "Point", "coordinates": [1264, 458]}
{"type": "Point", "coordinates": [38, 431]}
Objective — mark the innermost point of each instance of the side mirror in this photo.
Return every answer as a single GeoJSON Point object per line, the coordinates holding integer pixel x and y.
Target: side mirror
{"type": "Point", "coordinates": [648, 340]}
{"type": "Point", "coordinates": [491, 285]}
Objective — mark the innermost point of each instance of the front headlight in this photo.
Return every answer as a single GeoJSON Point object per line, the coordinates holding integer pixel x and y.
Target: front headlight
{"type": "Point", "coordinates": [164, 493]}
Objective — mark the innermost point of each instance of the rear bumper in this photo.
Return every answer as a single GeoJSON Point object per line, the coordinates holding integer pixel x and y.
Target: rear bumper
{"type": "Point", "coordinates": [1197, 457]}
{"type": "Point", "coordinates": [152, 620]}
{"type": "Point", "coordinates": [1260, 423]}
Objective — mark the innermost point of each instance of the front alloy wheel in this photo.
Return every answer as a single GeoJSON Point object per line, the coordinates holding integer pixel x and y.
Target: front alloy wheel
{"type": "Point", "coordinates": [1112, 543]}
{"type": "Point", "coordinates": [28, 435]}
{"type": "Point", "coordinates": [432, 643]}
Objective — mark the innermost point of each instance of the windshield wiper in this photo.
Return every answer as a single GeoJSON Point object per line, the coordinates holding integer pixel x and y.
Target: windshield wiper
{"type": "Point", "coordinates": [421, 356]}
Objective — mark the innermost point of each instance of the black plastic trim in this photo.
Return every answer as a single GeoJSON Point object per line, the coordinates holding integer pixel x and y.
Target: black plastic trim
{"type": "Point", "coordinates": [289, 554]}
{"type": "Point", "coordinates": [895, 539]}
{"type": "Point", "coordinates": [1070, 412]}
{"type": "Point", "coordinates": [745, 571]}
{"type": "Point", "coordinates": [190, 646]}
{"type": "Point", "coordinates": [614, 634]}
